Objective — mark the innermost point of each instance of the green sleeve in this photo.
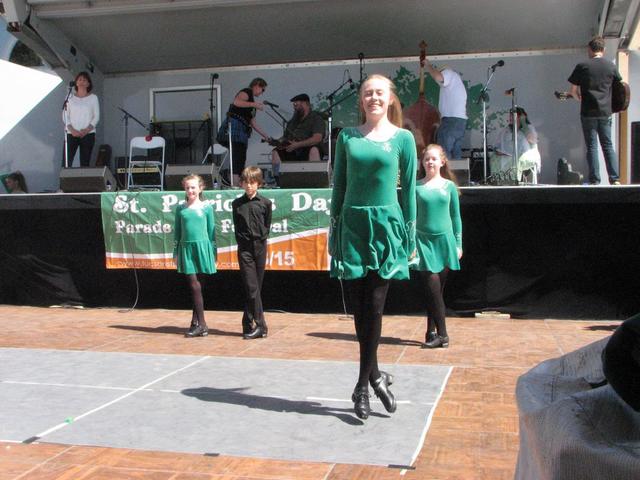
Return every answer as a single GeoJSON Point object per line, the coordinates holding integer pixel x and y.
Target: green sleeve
{"type": "Point", "coordinates": [339, 188]}
{"type": "Point", "coordinates": [211, 229]}
{"type": "Point", "coordinates": [408, 167]}
{"type": "Point", "coordinates": [454, 211]}
{"type": "Point", "coordinates": [177, 230]}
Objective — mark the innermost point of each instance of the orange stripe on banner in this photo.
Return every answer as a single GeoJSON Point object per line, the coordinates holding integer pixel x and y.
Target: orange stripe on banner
{"type": "Point", "coordinates": [303, 253]}
{"type": "Point", "coordinates": [145, 263]}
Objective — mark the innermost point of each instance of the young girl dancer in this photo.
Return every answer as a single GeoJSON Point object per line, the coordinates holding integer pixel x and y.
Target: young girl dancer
{"type": "Point", "coordinates": [195, 247]}
{"type": "Point", "coordinates": [438, 238]}
{"type": "Point", "coordinates": [372, 235]}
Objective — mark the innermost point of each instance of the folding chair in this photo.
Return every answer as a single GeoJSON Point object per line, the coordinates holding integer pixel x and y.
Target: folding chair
{"type": "Point", "coordinates": [145, 166]}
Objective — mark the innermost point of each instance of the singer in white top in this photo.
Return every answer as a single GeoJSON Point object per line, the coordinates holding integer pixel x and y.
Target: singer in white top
{"type": "Point", "coordinates": [453, 110]}
{"type": "Point", "coordinates": [80, 116]}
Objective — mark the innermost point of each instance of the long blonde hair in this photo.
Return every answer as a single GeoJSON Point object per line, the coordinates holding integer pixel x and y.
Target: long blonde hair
{"type": "Point", "coordinates": [394, 110]}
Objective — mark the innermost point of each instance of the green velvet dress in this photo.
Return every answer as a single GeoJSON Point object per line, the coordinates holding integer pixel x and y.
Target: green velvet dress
{"type": "Point", "coordinates": [370, 229]}
{"type": "Point", "coordinates": [195, 240]}
{"type": "Point", "coordinates": [438, 227]}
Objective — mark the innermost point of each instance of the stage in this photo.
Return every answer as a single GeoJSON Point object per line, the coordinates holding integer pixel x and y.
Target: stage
{"type": "Point", "coordinates": [86, 392]}
{"type": "Point", "coordinates": [531, 251]}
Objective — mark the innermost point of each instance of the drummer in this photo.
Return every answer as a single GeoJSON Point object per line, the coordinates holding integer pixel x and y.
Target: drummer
{"type": "Point", "coordinates": [302, 139]}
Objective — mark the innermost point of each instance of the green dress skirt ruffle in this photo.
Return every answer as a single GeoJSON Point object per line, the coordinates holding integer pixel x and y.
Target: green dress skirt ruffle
{"type": "Point", "coordinates": [436, 251]}
{"type": "Point", "coordinates": [196, 257]}
{"type": "Point", "coordinates": [371, 238]}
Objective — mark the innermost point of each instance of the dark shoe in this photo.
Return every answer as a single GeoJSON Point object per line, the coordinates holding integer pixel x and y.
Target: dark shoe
{"type": "Point", "coordinates": [360, 399]}
{"type": "Point", "coordinates": [199, 331]}
{"type": "Point", "coordinates": [382, 391]}
{"type": "Point", "coordinates": [247, 328]}
{"type": "Point", "coordinates": [430, 336]}
{"type": "Point", "coordinates": [438, 342]}
{"type": "Point", "coordinates": [258, 332]}
{"type": "Point", "coordinates": [388, 378]}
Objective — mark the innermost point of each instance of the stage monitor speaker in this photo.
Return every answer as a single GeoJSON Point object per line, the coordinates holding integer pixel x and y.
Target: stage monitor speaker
{"type": "Point", "coordinates": [304, 175]}
{"type": "Point", "coordinates": [86, 179]}
{"type": "Point", "coordinates": [635, 152]}
{"type": "Point", "coordinates": [173, 175]}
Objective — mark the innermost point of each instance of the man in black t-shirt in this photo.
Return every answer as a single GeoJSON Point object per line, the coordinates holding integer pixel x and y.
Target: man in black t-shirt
{"type": "Point", "coordinates": [591, 83]}
{"type": "Point", "coordinates": [302, 137]}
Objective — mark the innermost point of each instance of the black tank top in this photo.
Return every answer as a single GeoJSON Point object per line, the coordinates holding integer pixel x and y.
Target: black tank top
{"type": "Point", "coordinates": [246, 113]}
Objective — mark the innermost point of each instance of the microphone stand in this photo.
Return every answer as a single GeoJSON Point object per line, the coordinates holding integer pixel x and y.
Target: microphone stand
{"type": "Point", "coordinates": [484, 97]}
{"type": "Point", "coordinates": [328, 112]}
{"type": "Point", "coordinates": [66, 122]}
{"type": "Point", "coordinates": [217, 178]}
{"type": "Point", "coordinates": [125, 119]}
{"type": "Point", "coordinates": [515, 126]}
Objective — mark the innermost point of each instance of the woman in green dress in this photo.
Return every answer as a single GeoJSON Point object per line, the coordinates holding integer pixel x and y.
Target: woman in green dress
{"type": "Point", "coordinates": [372, 234]}
{"type": "Point", "coordinates": [195, 247]}
{"type": "Point", "coordinates": [438, 238]}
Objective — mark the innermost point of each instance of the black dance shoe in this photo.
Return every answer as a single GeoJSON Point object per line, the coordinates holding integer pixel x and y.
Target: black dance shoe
{"type": "Point", "coordinates": [360, 399]}
{"type": "Point", "coordinates": [199, 331]}
{"type": "Point", "coordinates": [430, 336]}
{"type": "Point", "coordinates": [438, 342]}
{"type": "Point", "coordinates": [382, 391]}
{"type": "Point", "coordinates": [388, 378]}
{"type": "Point", "coordinates": [258, 332]}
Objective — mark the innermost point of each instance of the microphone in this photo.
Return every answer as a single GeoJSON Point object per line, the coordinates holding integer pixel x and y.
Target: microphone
{"type": "Point", "coordinates": [500, 63]}
{"type": "Point", "coordinates": [510, 91]}
{"type": "Point", "coordinates": [351, 84]}
{"type": "Point", "coordinates": [361, 56]}
{"type": "Point", "coordinates": [72, 83]}
{"type": "Point", "coordinates": [214, 75]}
{"type": "Point", "coordinates": [266, 102]}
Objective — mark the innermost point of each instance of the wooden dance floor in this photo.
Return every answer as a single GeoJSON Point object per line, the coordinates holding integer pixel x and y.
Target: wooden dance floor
{"type": "Point", "coordinates": [472, 433]}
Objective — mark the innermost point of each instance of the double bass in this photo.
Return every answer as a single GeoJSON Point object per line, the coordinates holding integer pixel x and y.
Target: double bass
{"type": "Point", "coordinates": [422, 118]}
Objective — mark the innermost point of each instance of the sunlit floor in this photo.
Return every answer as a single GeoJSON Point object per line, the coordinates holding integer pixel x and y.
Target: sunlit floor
{"type": "Point", "coordinates": [473, 433]}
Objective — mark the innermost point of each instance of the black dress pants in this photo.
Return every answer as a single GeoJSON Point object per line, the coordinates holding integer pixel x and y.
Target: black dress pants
{"type": "Point", "coordinates": [85, 143]}
{"type": "Point", "coordinates": [252, 257]}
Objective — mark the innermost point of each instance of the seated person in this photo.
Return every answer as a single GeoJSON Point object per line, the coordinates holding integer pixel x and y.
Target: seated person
{"type": "Point", "coordinates": [528, 154]}
{"type": "Point", "coordinates": [15, 183]}
{"type": "Point", "coordinates": [302, 137]}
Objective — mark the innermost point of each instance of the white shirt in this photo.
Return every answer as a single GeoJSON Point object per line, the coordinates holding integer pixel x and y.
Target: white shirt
{"type": "Point", "coordinates": [453, 95]}
{"type": "Point", "coordinates": [82, 112]}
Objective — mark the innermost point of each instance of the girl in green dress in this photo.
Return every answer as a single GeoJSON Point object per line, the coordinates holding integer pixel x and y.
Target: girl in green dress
{"type": "Point", "coordinates": [195, 247]}
{"type": "Point", "coordinates": [438, 238]}
{"type": "Point", "coordinates": [372, 234]}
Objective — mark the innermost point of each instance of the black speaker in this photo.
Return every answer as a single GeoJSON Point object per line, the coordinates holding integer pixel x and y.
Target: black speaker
{"type": "Point", "coordinates": [635, 152]}
{"type": "Point", "coordinates": [304, 175]}
{"type": "Point", "coordinates": [88, 179]}
{"type": "Point", "coordinates": [174, 174]}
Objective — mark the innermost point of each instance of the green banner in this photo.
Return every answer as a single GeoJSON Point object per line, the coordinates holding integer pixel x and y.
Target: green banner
{"type": "Point", "coordinates": [138, 228]}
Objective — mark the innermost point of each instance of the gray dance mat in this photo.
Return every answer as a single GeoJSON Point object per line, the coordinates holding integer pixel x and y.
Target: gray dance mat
{"type": "Point", "coordinates": [249, 407]}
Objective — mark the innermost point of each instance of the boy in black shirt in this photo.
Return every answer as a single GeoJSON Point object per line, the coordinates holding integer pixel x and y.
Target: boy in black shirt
{"type": "Point", "coordinates": [591, 83]}
{"type": "Point", "coordinates": [252, 223]}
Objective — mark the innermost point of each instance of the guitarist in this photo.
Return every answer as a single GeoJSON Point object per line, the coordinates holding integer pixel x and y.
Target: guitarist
{"type": "Point", "coordinates": [302, 137]}
{"type": "Point", "coordinates": [591, 83]}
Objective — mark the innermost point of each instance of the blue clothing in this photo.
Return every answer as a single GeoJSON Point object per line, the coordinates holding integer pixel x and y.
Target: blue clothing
{"type": "Point", "coordinates": [594, 128]}
{"type": "Point", "coordinates": [450, 135]}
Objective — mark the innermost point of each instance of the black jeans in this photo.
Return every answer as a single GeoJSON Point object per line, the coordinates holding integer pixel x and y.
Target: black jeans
{"type": "Point", "coordinates": [85, 143]}
{"type": "Point", "coordinates": [252, 257]}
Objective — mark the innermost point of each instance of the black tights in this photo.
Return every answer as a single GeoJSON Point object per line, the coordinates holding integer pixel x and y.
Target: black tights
{"type": "Point", "coordinates": [435, 301]}
{"type": "Point", "coordinates": [367, 297]}
{"type": "Point", "coordinates": [197, 317]}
